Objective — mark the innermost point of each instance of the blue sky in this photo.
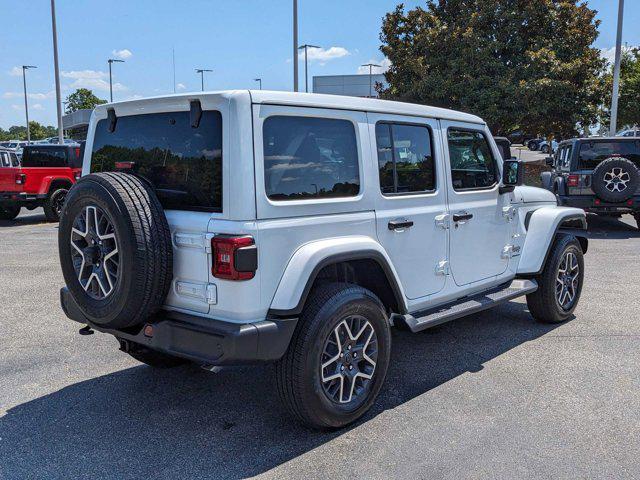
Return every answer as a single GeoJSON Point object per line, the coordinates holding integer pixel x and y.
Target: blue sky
{"type": "Point", "coordinates": [238, 39]}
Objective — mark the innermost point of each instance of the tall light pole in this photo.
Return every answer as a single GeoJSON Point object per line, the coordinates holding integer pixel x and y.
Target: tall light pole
{"type": "Point", "coordinates": [616, 72]}
{"type": "Point", "coordinates": [110, 62]}
{"type": "Point", "coordinates": [56, 71]}
{"type": "Point", "coordinates": [295, 45]}
{"type": "Point", "coordinates": [201, 72]}
{"type": "Point", "coordinates": [259, 80]}
{"type": "Point", "coordinates": [306, 72]}
{"type": "Point", "coordinates": [26, 105]}
{"type": "Point", "coordinates": [370, 65]}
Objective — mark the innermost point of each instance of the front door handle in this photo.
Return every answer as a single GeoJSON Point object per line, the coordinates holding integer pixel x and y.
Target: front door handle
{"type": "Point", "coordinates": [462, 216]}
{"type": "Point", "coordinates": [400, 224]}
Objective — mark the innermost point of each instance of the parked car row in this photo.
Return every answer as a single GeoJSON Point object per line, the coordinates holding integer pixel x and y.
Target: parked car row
{"type": "Point", "coordinates": [41, 179]}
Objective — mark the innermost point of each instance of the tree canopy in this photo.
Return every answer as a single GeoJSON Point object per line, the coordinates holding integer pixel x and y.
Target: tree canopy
{"type": "Point", "coordinates": [37, 131]}
{"type": "Point", "coordinates": [518, 64]}
{"type": "Point", "coordinates": [629, 97]}
{"type": "Point", "coordinates": [82, 98]}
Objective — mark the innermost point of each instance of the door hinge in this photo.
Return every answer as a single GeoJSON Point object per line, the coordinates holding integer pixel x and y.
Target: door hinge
{"type": "Point", "coordinates": [510, 251]}
{"type": "Point", "coordinates": [212, 294]}
{"type": "Point", "coordinates": [508, 213]}
{"type": "Point", "coordinates": [442, 268]}
{"type": "Point", "coordinates": [442, 221]}
{"type": "Point", "coordinates": [207, 293]}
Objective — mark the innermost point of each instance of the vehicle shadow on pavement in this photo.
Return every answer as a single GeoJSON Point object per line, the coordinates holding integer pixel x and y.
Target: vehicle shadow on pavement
{"type": "Point", "coordinates": [24, 220]}
{"type": "Point", "coordinates": [188, 423]}
{"type": "Point", "coordinates": [603, 228]}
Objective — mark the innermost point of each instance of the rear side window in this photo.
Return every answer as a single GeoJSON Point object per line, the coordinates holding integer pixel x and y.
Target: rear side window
{"type": "Point", "coordinates": [14, 160]}
{"type": "Point", "coordinates": [183, 164]}
{"type": "Point", "coordinates": [405, 158]}
{"type": "Point", "coordinates": [46, 157]}
{"type": "Point", "coordinates": [592, 153]}
{"type": "Point", "coordinates": [472, 163]}
{"type": "Point", "coordinates": [307, 158]}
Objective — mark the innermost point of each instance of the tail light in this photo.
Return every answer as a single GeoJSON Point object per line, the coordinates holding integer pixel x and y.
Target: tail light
{"type": "Point", "coordinates": [573, 180]}
{"type": "Point", "coordinates": [77, 175]}
{"type": "Point", "coordinates": [21, 178]}
{"type": "Point", "coordinates": [234, 257]}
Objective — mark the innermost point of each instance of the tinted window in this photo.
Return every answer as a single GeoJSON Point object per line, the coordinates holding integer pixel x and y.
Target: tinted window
{"type": "Point", "coordinates": [472, 163]}
{"type": "Point", "coordinates": [592, 153]}
{"type": "Point", "coordinates": [14, 160]}
{"type": "Point", "coordinates": [46, 157]}
{"type": "Point", "coordinates": [183, 164]}
{"type": "Point", "coordinates": [405, 159]}
{"type": "Point", "coordinates": [310, 158]}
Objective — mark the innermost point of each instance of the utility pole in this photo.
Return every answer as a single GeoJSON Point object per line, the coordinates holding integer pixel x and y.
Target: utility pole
{"type": "Point", "coordinates": [370, 65]}
{"type": "Point", "coordinates": [616, 72]}
{"type": "Point", "coordinates": [306, 73]}
{"type": "Point", "coordinates": [26, 105]}
{"type": "Point", "coordinates": [259, 80]}
{"type": "Point", "coordinates": [201, 72]}
{"type": "Point", "coordinates": [56, 71]}
{"type": "Point", "coordinates": [295, 45]}
{"type": "Point", "coordinates": [110, 61]}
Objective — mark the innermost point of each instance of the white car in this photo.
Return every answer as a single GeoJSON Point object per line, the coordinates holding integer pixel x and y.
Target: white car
{"type": "Point", "coordinates": [253, 226]}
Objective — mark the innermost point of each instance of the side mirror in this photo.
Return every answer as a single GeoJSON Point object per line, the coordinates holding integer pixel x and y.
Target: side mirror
{"type": "Point", "coordinates": [549, 161]}
{"type": "Point", "coordinates": [512, 175]}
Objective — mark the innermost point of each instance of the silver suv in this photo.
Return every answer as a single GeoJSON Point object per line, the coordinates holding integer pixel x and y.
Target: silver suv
{"type": "Point", "coordinates": [252, 226]}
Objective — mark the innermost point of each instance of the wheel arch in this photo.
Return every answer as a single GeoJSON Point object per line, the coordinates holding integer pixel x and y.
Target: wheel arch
{"type": "Point", "coordinates": [543, 226]}
{"type": "Point", "coordinates": [361, 261]}
{"type": "Point", "coordinates": [57, 182]}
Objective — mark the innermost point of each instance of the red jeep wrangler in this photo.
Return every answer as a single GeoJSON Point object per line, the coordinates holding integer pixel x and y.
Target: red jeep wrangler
{"type": "Point", "coordinates": [43, 180]}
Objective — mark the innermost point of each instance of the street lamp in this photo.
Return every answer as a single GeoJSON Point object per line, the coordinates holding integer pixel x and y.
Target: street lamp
{"type": "Point", "coordinates": [110, 61]}
{"type": "Point", "coordinates": [295, 45]}
{"type": "Point", "coordinates": [306, 79]}
{"type": "Point", "coordinates": [259, 80]}
{"type": "Point", "coordinates": [201, 72]}
{"type": "Point", "coordinates": [26, 105]}
{"type": "Point", "coordinates": [370, 65]}
{"type": "Point", "coordinates": [616, 72]}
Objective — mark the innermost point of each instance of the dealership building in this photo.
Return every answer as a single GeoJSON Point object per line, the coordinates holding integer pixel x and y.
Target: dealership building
{"type": "Point", "coordinates": [352, 85]}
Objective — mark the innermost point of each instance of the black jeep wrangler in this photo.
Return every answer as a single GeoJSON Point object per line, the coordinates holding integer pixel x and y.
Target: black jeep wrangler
{"type": "Point", "coordinates": [600, 175]}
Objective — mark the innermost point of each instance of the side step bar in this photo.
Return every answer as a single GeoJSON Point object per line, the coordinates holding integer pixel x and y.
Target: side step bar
{"type": "Point", "coordinates": [468, 305]}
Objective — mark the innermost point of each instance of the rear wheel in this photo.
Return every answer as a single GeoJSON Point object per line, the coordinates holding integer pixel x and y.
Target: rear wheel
{"type": "Point", "coordinates": [9, 212]}
{"type": "Point", "coordinates": [54, 203]}
{"type": "Point", "coordinates": [637, 217]}
{"type": "Point", "coordinates": [338, 357]}
{"type": "Point", "coordinates": [560, 283]}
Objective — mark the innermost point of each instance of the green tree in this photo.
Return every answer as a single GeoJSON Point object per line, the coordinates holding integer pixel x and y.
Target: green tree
{"type": "Point", "coordinates": [518, 64]}
{"type": "Point", "coordinates": [82, 98]}
{"type": "Point", "coordinates": [629, 97]}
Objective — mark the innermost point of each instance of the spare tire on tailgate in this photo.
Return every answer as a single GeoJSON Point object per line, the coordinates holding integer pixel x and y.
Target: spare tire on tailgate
{"type": "Point", "coordinates": [615, 179]}
{"type": "Point", "coordinates": [115, 249]}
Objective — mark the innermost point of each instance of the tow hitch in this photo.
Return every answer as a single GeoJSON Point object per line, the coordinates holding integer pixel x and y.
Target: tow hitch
{"type": "Point", "coordinates": [86, 330]}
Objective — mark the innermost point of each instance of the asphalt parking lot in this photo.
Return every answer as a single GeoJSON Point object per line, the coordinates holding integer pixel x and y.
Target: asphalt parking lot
{"type": "Point", "coordinates": [494, 395]}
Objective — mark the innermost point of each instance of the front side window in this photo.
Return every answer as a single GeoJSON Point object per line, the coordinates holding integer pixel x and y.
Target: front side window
{"type": "Point", "coordinates": [405, 158]}
{"type": "Point", "coordinates": [307, 157]}
{"type": "Point", "coordinates": [472, 162]}
{"type": "Point", "coordinates": [182, 163]}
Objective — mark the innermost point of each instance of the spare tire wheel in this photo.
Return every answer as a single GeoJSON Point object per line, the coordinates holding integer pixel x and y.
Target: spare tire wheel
{"type": "Point", "coordinates": [615, 180]}
{"type": "Point", "coordinates": [115, 249]}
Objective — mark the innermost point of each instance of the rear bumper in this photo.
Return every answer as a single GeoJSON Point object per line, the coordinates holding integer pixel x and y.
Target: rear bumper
{"type": "Point", "coordinates": [592, 204]}
{"type": "Point", "coordinates": [21, 197]}
{"type": "Point", "coordinates": [201, 340]}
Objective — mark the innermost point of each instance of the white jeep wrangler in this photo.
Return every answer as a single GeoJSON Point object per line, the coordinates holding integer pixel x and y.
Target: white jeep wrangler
{"type": "Point", "coordinates": [253, 226]}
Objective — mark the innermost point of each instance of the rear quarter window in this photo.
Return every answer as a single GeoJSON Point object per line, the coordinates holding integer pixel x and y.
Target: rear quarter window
{"type": "Point", "coordinates": [182, 163]}
{"type": "Point", "coordinates": [310, 158]}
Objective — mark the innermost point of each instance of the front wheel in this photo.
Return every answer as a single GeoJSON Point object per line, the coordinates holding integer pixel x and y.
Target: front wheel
{"type": "Point", "coordinates": [560, 283]}
{"type": "Point", "coordinates": [337, 361]}
{"type": "Point", "coordinates": [54, 203]}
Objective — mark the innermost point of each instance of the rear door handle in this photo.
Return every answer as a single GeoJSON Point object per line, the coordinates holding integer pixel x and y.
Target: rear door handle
{"type": "Point", "coordinates": [462, 216]}
{"type": "Point", "coordinates": [400, 224]}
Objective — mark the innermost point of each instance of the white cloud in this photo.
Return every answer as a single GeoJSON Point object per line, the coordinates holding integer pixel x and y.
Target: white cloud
{"type": "Point", "coordinates": [37, 106]}
{"type": "Point", "coordinates": [609, 54]}
{"type": "Point", "coordinates": [322, 55]}
{"type": "Point", "coordinates": [33, 96]}
{"type": "Point", "coordinates": [122, 54]}
{"type": "Point", "coordinates": [91, 79]}
{"type": "Point", "coordinates": [15, 72]}
{"type": "Point", "coordinates": [385, 63]}
{"type": "Point", "coordinates": [181, 86]}
{"type": "Point", "coordinates": [17, 107]}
